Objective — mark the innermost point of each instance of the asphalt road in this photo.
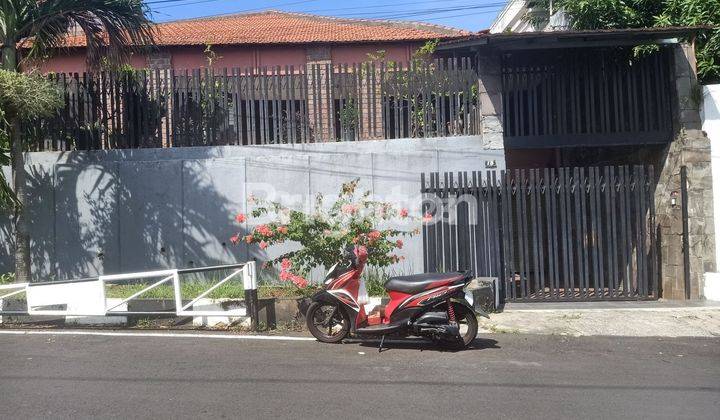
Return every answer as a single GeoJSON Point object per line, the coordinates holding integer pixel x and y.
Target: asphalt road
{"type": "Point", "coordinates": [504, 376]}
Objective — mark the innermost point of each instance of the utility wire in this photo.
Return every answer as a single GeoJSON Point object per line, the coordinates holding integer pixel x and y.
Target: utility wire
{"type": "Point", "coordinates": [389, 14]}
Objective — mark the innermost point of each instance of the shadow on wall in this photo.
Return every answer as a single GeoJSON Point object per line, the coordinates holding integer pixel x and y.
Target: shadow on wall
{"type": "Point", "coordinates": [90, 217]}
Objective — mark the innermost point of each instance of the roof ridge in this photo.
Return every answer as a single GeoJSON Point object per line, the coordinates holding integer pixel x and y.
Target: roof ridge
{"type": "Point", "coordinates": [449, 30]}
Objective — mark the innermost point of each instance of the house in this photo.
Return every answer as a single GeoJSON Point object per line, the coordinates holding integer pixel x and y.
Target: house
{"type": "Point", "coordinates": [542, 100]}
{"type": "Point", "coordinates": [527, 16]}
{"type": "Point", "coordinates": [559, 99]}
{"type": "Point", "coordinates": [268, 39]}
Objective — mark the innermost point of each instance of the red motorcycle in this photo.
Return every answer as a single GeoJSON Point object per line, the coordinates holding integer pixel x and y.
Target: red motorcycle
{"type": "Point", "coordinates": [432, 305]}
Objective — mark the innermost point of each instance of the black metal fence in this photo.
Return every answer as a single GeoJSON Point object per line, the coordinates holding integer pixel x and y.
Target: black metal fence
{"type": "Point", "coordinates": [586, 97]}
{"type": "Point", "coordinates": [318, 102]}
{"type": "Point", "coordinates": [547, 234]}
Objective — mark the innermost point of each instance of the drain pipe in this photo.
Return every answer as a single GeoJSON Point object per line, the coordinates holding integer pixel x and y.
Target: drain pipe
{"type": "Point", "coordinates": [685, 229]}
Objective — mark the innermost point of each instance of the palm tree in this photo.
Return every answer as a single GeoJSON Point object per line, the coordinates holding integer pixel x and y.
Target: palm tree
{"type": "Point", "coordinates": [32, 28]}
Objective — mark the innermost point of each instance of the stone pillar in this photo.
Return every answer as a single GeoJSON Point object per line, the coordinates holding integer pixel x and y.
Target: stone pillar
{"type": "Point", "coordinates": [319, 73]}
{"type": "Point", "coordinates": [490, 98]}
{"type": "Point", "coordinates": [690, 148]}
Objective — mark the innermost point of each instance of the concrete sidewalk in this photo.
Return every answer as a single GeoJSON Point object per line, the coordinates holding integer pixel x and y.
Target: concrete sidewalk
{"type": "Point", "coordinates": [631, 319]}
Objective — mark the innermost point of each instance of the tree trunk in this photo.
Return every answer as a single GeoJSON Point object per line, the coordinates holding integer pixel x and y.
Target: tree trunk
{"type": "Point", "coordinates": [22, 237]}
{"type": "Point", "coordinates": [20, 226]}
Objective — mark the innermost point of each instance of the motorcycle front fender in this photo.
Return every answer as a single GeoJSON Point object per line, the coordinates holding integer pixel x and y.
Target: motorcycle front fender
{"type": "Point", "coordinates": [325, 297]}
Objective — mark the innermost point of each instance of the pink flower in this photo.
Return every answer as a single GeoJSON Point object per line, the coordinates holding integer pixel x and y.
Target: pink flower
{"type": "Point", "coordinates": [403, 213]}
{"type": "Point", "coordinates": [240, 218]}
{"type": "Point", "coordinates": [263, 244]}
{"type": "Point", "coordinates": [264, 230]}
{"type": "Point", "coordinates": [349, 208]}
{"type": "Point", "coordinates": [234, 239]}
{"type": "Point", "coordinates": [427, 218]}
{"type": "Point", "coordinates": [249, 239]}
{"type": "Point", "coordinates": [282, 229]}
{"type": "Point", "coordinates": [284, 275]}
{"type": "Point", "coordinates": [285, 264]}
{"type": "Point", "coordinates": [299, 281]}
{"type": "Point", "coordinates": [399, 243]}
{"type": "Point", "coordinates": [374, 235]}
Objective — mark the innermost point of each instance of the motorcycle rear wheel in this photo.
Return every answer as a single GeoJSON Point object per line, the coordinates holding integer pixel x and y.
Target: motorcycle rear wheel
{"type": "Point", "coordinates": [468, 323]}
{"type": "Point", "coordinates": [327, 322]}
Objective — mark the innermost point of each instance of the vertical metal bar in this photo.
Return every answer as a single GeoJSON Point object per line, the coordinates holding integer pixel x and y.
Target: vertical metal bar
{"type": "Point", "coordinates": [564, 239]}
{"type": "Point", "coordinates": [505, 240]}
{"type": "Point", "coordinates": [535, 229]}
{"type": "Point", "coordinates": [553, 191]}
{"type": "Point", "coordinates": [612, 231]}
{"type": "Point", "coordinates": [626, 204]}
{"type": "Point", "coordinates": [494, 227]}
{"type": "Point", "coordinates": [642, 229]}
{"type": "Point", "coordinates": [510, 235]}
{"type": "Point", "coordinates": [593, 231]}
{"type": "Point", "coordinates": [478, 222]}
{"type": "Point", "coordinates": [438, 225]}
{"type": "Point", "coordinates": [522, 214]}
{"type": "Point", "coordinates": [578, 191]}
{"type": "Point", "coordinates": [654, 271]}
{"type": "Point", "coordinates": [424, 209]}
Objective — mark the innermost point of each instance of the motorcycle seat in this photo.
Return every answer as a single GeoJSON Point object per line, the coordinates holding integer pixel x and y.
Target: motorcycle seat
{"type": "Point", "coordinates": [417, 283]}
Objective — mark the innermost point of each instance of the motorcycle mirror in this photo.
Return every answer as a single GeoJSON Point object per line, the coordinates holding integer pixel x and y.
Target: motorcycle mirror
{"type": "Point", "coordinates": [349, 254]}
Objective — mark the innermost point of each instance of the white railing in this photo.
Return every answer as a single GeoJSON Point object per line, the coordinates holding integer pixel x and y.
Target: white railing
{"type": "Point", "coordinates": [86, 297]}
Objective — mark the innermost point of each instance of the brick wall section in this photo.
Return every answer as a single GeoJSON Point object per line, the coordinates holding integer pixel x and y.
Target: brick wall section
{"type": "Point", "coordinates": [159, 60]}
{"type": "Point", "coordinates": [319, 104]}
{"type": "Point", "coordinates": [691, 148]}
{"type": "Point", "coordinates": [371, 121]}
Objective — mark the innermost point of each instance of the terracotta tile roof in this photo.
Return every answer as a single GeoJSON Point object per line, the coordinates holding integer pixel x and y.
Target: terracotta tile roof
{"type": "Point", "coordinates": [275, 27]}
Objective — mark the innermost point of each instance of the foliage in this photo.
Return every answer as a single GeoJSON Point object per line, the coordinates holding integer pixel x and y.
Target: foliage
{"type": "Point", "coordinates": [608, 14]}
{"type": "Point", "coordinates": [375, 279]}
{"type": "Point", "coordinates": [134, 90]}
{"type": "Point", "coordinates": [7, 278]}
{"type": "Point", "coordinates": [349, 117]}
{"type": "Point", "coordinates": [27, 97]}
{"type": "Point", "coordinates": [427, 51]}
{"type": "Point", "coordinates": [351, 220]}
{"type": "Point", "coordinates": [7, 197]}
{"type": "Point", "coordinates": [111, 27]}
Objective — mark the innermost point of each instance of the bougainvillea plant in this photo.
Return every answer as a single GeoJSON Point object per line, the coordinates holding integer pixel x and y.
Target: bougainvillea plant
{"type": "Point", "coordinates": [323, 233]}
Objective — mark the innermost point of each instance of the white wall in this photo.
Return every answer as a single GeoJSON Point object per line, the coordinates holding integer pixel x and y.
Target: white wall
{"type": "Point", "coordinates": [710, 115]}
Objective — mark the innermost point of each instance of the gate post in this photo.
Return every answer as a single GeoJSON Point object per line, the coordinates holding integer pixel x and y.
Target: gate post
{"type": "Point", "coordinates": [251, 296]}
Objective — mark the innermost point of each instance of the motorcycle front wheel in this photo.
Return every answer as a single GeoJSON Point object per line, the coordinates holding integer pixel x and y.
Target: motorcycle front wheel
{"type": "Point", "coordinates": [327, 322]}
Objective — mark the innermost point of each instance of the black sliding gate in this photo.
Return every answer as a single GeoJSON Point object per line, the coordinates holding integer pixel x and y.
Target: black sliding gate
{"type": "Point", "coordinates": [547, 234]}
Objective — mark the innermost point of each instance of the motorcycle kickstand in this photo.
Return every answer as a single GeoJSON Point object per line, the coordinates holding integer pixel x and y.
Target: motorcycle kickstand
{"type": "Point", "coordinates": [382, 340]}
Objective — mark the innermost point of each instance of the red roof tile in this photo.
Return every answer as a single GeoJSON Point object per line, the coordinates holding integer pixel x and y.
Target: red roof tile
{"type": "Point", "coordinates": [274, 27]}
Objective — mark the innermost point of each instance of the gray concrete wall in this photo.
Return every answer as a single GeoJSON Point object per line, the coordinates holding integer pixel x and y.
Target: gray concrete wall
{"type": "Point", "coordinates": [104, 212]}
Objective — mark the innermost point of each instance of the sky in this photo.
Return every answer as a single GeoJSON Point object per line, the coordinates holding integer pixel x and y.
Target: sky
{"type": "Point", "coordinates": [466, 14]}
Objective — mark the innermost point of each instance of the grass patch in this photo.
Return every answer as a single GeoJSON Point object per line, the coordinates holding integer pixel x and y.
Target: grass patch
{"type": "Point", "coordinates": [7, 278]}
{"type": "Point", "coordinates": [192, 289]}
